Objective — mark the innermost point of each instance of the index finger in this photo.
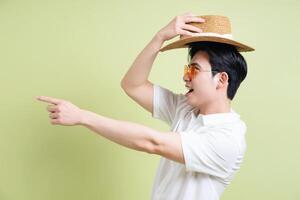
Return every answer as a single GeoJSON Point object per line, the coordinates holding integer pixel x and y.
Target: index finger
{"type": "Point", "coordinates": [49, 99]}
{"type": "Point", "coordinates": [189, 19]}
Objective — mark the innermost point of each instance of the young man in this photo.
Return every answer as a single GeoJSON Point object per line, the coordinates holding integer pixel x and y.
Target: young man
{"type": "Point", "coordinates": [206, 143]}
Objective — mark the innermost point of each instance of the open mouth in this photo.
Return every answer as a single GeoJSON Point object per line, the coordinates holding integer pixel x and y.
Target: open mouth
{"type": "Point", "coordinates": [190, 91]}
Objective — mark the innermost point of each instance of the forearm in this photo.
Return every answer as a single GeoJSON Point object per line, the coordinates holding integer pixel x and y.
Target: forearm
{"type": "Point", "coordinates": [128, 134]}
{"type": "Point", "coordinates": [143, 63]}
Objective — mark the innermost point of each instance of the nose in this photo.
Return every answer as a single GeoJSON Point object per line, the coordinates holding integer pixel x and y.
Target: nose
{"type": "Point", "coordinates": [186, 78]}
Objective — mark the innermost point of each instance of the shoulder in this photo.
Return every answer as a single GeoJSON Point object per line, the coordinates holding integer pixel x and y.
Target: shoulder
{"type": "Point", "coordinates": [232, 133]}
{"type": "Point", "coordinates": [235, 132]}
{"type": "Point", "coordinates": [179, 100]}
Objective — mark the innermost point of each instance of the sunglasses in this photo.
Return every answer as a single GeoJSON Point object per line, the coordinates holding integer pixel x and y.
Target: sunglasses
{"type": "Point", "coordinates": [192, 69]}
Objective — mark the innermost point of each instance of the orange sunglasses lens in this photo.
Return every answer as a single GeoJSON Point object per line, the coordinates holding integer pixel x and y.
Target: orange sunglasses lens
{"type": "Point", "coordinates": [190, 71]}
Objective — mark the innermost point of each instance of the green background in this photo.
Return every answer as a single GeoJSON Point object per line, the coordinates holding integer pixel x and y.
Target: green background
{"type": "Point", "coordinates": [79, 51]}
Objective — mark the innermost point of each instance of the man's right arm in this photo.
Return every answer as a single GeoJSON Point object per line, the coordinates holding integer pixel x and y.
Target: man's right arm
{"type": "Point", "coordinates": [135, 82]}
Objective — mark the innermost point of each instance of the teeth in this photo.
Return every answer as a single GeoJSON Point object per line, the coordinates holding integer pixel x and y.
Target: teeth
{"type": "Point", "coordinates": [189, 89]}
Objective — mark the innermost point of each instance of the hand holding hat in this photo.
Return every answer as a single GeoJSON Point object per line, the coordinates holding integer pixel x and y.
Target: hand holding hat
{"type": "Point", "coordinates": [179, 26]}
{"type": "Point", "coordinates": [209, 28]}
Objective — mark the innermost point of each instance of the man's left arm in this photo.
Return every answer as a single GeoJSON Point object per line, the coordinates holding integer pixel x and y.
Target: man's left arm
{"type": "Point", "coordinates": [135, 136]}
{"type": "Point", "coordinates": [128, 134]}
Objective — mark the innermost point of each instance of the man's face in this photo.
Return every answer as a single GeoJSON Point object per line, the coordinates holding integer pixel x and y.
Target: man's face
{"type": "Point", "coordinates": [203, 83]}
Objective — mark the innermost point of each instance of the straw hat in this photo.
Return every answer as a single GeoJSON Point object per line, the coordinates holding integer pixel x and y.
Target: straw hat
{"type": "Point", "coordinates": [215, 29]}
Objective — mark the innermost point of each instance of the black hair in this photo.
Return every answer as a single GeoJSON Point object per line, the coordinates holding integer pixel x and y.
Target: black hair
{"type": "Point", "coordinates": [223, 58]}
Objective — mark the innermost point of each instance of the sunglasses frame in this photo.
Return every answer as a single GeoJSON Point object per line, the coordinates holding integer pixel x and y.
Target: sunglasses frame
{"type": "Point", "coordinates": [190, 70]}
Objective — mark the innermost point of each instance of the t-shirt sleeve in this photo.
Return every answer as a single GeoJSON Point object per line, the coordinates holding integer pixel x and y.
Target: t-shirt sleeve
{"type": "Point", "coordinates": [212, 152]}
{"type": "Point", "coordinates": [164, 104]}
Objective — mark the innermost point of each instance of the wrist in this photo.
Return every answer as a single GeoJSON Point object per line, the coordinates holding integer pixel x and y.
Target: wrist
{"type": "Point", "coordinates": [83, 119]}
{"type": "Point", "coordinates": [158, 37]}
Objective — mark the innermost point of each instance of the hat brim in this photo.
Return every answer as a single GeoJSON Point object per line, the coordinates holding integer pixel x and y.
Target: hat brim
{"type": "Point", "coordinates": [183, 43]}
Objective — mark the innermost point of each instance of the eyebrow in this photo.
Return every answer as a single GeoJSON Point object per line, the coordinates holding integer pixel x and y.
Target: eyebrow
{"type": "Point", "coordinates": [199, 66]}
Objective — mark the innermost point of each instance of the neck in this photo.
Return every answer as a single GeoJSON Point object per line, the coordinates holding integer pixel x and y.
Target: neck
{"type": "Point", "coordinates": [222, 106]}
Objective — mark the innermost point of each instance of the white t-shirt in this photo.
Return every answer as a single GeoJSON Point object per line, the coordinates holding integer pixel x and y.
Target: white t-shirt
{"type": "Point", "coordinates": [213, 148]}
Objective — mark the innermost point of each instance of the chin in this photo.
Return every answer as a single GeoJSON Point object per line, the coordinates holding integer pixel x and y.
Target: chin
{"type": "Point", "coordinates": [192, 101]}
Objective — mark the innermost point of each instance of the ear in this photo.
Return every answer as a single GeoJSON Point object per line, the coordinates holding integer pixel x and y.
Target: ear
{"type": "Point", "coordinates": [222, 80]}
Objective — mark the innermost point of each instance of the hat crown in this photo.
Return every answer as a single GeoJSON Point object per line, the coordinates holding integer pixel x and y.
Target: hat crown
{"type": "Point", "coordinates": [213, 24]}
